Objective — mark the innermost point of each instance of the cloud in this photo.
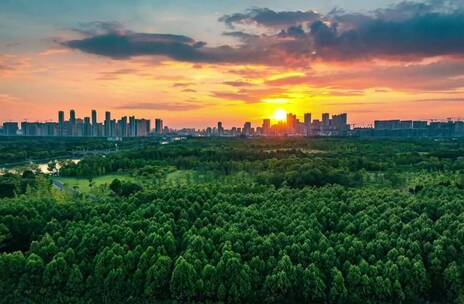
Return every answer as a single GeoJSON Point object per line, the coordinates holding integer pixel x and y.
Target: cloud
{"type": "Point", "coordinates": [182, 84]}
{"type": "Point", "coordinates": [129, 44]}
{"type": "Point", "coordinates": [269, 18]}
{"type": "Point", "coordinates": [238, 83]}
{"type": "Point", "coordinates": [172, 106]}
{"type": "Point", "coordinates": [438, 76]}
{"type": "Point", "coordinates": [406, 32]}
{"type": "Point", "coordinates": [442, 100]}
{"type": "Point", "coordinates": [111, 75]}
{"type": "Point", "coordinates": [346, 93]}
{"type": "Point", "coordinates": [98, 28]}
{"type": "Point", "coordinates": [249, 95]}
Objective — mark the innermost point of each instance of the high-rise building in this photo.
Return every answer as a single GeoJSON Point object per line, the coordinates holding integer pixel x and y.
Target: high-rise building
{"type": "Point", "coordinates": [112, 128]}
{"type": "Point", "coordinates": [87, 128]}
{"type": "Point", "coordinates": [142, 127]}
{"type": "Point", "coordinates": [419, 124]}
{"type": "Point", "coordinates": [325, 119]}
{"type": "Point", "coordinates": [60, 123]}
{"type": "Point", "coordinates": [387, 124]}
{"type": "Point", "coordinates": [266, 129]}
{"type": "Point", "coordinates": [10, 128]}
{"type": "Point", "coordinates": [247, 128]}
{"type": "Point", "coordinates": [94, 117]}
{"type": "Point", "coordinates": [107, 123]}
{"type": "Point", "coordinates": [72, 117]}
{"type": "Point", "coordinates": [340, 122]}
{"type": "Point", "coordinates": [307, 119]}
{"type": "Point", "coordinates": [122, 127]}
{"type": "Point", "coordinates": [158, 126]}
{"type": "Point", "coordinates": [132, 126]}
{"type": "Point", "coordinates": [94, 128]}
{"type": "Point", "coordinates": [291, 122]}
{"type": "Point", "coordinates": [220, 128]}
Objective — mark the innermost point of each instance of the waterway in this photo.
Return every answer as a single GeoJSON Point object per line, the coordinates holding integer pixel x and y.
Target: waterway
{"type": "Point", "coordinates": [40, 166]}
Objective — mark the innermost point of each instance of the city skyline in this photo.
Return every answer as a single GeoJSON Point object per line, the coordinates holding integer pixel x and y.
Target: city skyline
{"type": "Point", "coordinates": [281, 124]}
{"type": "Point", "coordinates": [185, 61]}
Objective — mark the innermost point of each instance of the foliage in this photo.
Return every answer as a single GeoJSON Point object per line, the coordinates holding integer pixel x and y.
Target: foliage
{"type": "Point", "coordinates": [284, 221]}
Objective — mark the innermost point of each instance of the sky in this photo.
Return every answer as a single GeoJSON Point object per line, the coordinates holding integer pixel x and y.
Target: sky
{"type": "Point", "coordinates": [193, 63]}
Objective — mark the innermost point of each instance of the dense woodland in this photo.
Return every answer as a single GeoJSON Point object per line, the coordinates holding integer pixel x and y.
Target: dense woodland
{"type": "Point", "coordinates": [241, 221]}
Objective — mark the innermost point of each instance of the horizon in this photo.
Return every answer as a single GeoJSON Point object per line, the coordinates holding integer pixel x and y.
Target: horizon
{"type": "Point", "coordinates": [278, 117]}
{"type": "Point", "coordinates": [194, 64]}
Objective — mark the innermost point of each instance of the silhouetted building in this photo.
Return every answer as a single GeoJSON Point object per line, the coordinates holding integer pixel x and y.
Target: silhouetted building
{"type": "Point", "coordinates": [10, 128]}
{"type": "Point", "coordinates": [60, 123]}
{"type": "Point", "coordinates": [107, 124]}
{"type": "Point", "coordinates": [266, 129]}
{"type": "Point", "coordinates": [72, 117]}
{"type": "Point", "coordinates": [158, 126]}
{"type": "Point", "coordinates": [247, 129]}
{"type": "Point", "coordinates": [419, 124]}
{"type": "Point", "coordinates": [325, 119]}
{"type": "Point", "coordinates": [387, 124]}
{"type": "Point", "coordinates": [307, 119]}
{"type": "Point", "coordinates": [220, 129]}
{"type": "Point", "coordinates": [132, 126]}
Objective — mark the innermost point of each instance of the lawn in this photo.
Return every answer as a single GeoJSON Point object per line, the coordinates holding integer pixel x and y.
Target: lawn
{"type": "Point", "coordinates": [82, 184]}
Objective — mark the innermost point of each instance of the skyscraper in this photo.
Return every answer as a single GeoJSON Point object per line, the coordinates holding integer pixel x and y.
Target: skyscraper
{"type": "Point", "coordinates": [291, 122]}
{"type": "Point", "coordinates": [10, 128]}
{"type": "Point", "coordinates": [132, 126]}
{"type": "Point", "coordinates": [72, 117]}
{"type": "Point", "coordinates": [158, 126]}
{"type": "Point", "coordinates": [72, 123]}
{"type": "Point", "coordinates": [87, 127]}
{"type": "Point", "coordinates": [60, 123]}
{"type": "Point", "coordinates": [247, 128]}
{"type": "Point", "coordinates": [122, 127]}
{"type": "Point", "coordinates": [107, 123]}
{"type": "Point", "coordinates": [325, 119]}
{"type": "Point", "coordinates": [220, 128]}
{"type": "Point", "coordinates": [94, 123]}
{"type": "Point", "coordinates": [307, 119]}
{"type": "Point", "coordinates": [94, 117]}
{"type": "Point", "coordinates": [266, 126]}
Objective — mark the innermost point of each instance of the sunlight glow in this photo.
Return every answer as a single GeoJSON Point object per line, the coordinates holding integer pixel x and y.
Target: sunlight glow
{"type": "Point", "coordinates": [280, 115]}
{"type": "Point", "coordinates": [275, 100]}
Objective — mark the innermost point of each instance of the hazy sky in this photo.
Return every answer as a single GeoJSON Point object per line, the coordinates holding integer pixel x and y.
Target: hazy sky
{"type": "Point", "coordinates": [196, 62]}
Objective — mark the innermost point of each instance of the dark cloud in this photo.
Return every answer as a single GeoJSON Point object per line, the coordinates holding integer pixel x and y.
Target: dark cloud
{"type": "Point", "coordinates": [269, 18]}
{"type": "Point", "coordinates": [407, 31]}
{"type": "Point", "coordinates": [129, 44]}
{"type": "Point", "coordinates": [422, 35]}
{"type": "Point", "coordinates": [172, 106]}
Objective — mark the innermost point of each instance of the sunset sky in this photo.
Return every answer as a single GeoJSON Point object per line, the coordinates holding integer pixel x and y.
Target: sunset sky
{"type": "Point", "coordinates": [193, 63]}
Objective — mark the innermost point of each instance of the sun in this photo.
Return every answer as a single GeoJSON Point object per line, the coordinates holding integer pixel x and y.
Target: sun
{"type": "Point", "coordinates": [280, 115]}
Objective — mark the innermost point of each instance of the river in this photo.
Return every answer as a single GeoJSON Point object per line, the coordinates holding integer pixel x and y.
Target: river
{"type": "Point", "coordinates": [42, 167]}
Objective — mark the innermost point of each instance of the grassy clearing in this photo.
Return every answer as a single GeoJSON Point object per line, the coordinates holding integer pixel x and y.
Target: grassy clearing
{"type": "Point", "coordinates": [83, 185]}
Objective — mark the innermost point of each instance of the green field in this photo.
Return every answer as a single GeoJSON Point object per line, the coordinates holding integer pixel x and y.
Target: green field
{"type": "Point", "coordinates": [83, 184]}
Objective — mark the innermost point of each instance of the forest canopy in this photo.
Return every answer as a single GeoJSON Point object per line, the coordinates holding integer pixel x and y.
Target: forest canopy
{"type": "Point", "coordinates": [240, 221]}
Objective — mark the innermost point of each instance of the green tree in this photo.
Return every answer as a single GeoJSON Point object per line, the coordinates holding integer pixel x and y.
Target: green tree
{"type": "Point", "coordinates": [183, 280]}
